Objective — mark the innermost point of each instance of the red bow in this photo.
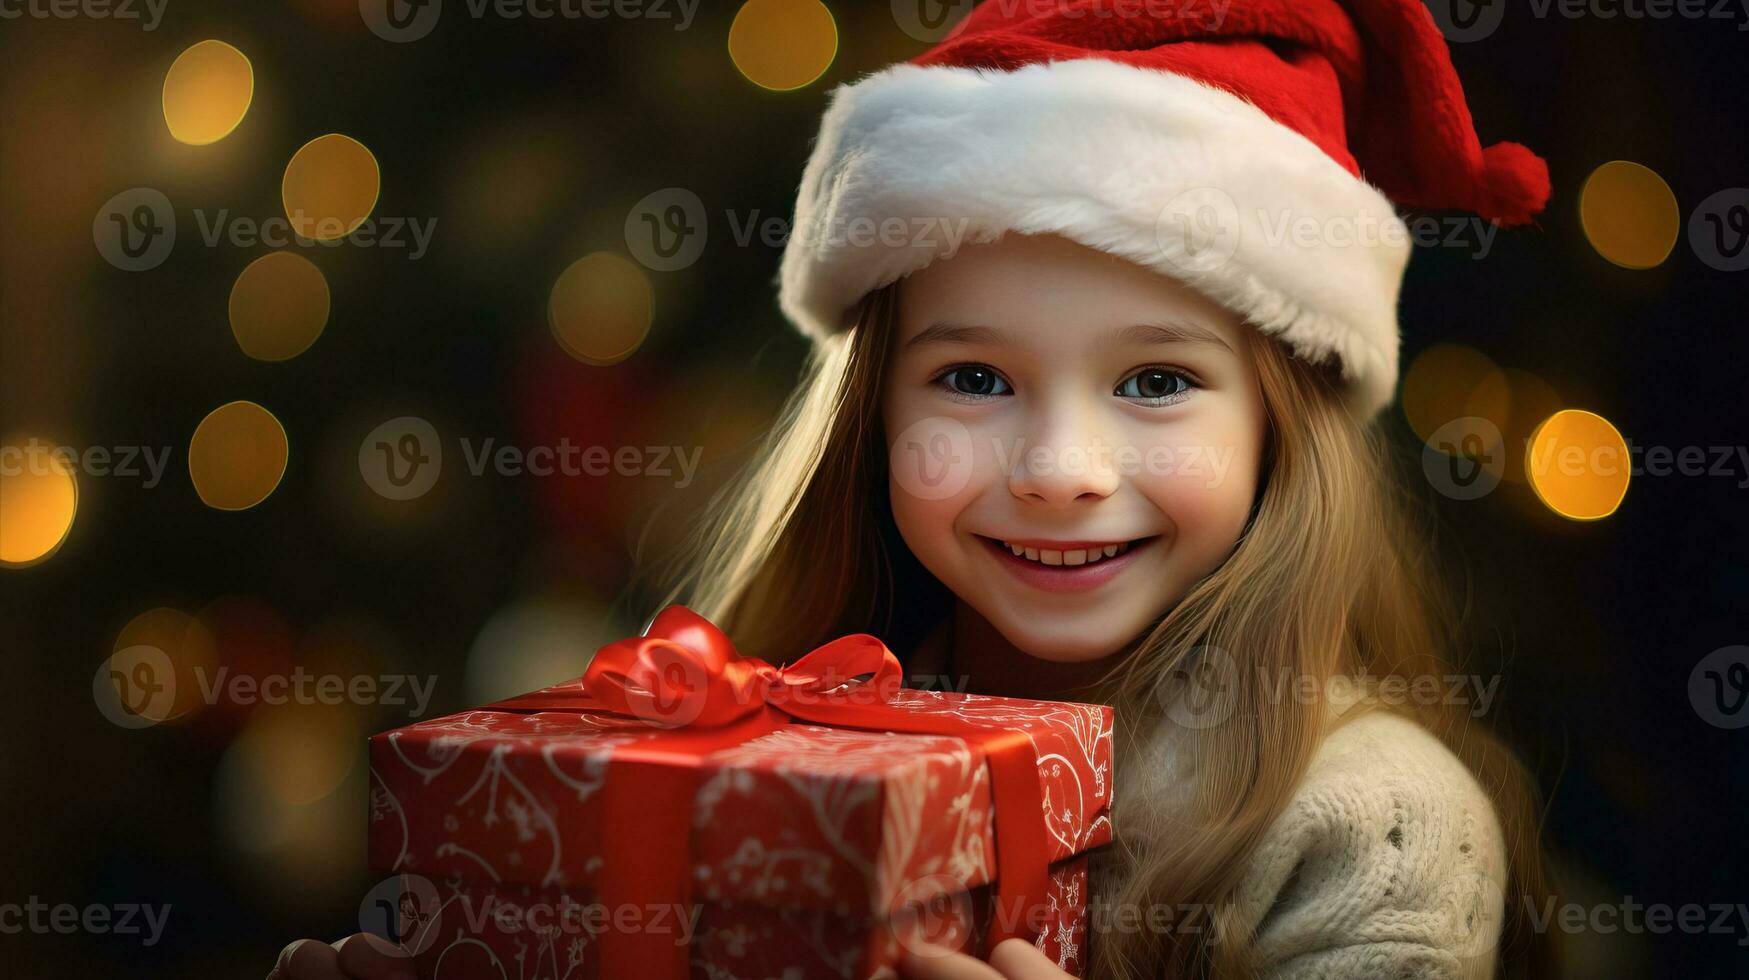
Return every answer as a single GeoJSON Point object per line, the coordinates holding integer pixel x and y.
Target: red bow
{"type": "Point", "coordinates": [684, 671]}
{"type": "Point", "coordinates": [685, 674]}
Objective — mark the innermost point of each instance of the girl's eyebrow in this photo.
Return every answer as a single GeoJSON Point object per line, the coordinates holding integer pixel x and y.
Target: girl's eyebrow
{"type": "Point", "coordinates": [1169, 332]}
{"type": "Point", "coordinates": [947, 332]}
{"type": "Point", "coordinates": [1172, 332]}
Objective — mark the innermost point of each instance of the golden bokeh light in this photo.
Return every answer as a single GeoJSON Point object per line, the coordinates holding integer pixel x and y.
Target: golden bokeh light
{"type": "Point", "coordinates": [535, 643]}
{"type": "Point", "coordinates": [279, 306]}
{"type": "Point", "coordinates": [288, 792]}
{"type": "Point", "coordinates": [1533, 400]}
{"type": "Point", "coordinates": [237, 456]}
{"type": "Point", "coordinates": [207, 92]}
{"type": "Point", "coordinates": [1629, 214]}
{"type": "Point", "coordinates": [783, 45]}
{"type": "Point", "coordinates": [38, 500]}
{"type": "Point", "coordinates": [188, 644]}
{"type": "Point", "coordinates": [330, 187]}
{"type": "Point", "coordinates": [1579, 465]}
{"type": "Point", "coordinates": [601, 308]}
{"type": "Point", "coordinates": [1450, 381]}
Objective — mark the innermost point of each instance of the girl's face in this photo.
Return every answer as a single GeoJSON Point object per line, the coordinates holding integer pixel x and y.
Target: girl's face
{"type": "Point", "coordinates": [1100, 419]}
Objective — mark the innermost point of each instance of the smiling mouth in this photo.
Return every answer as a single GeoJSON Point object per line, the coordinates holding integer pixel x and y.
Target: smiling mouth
{"type": "Point", "coordinates": [1066, 566]}
{"type": "Point", "coordinates": [1067, 554]}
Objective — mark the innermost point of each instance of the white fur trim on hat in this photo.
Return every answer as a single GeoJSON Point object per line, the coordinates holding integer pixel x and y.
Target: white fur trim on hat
{"type": "Point", "coordinates": [913, 161]}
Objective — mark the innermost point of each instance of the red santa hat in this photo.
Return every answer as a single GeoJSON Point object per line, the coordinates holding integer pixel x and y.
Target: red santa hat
{"type": "Point", "coordinates": [1254, 149]}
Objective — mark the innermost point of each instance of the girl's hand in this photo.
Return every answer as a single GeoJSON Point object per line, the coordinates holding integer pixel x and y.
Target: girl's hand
{"type": "Point", "coordinates": [359, 957]}
{"type": "Point", "coordinates": [1012, 959]}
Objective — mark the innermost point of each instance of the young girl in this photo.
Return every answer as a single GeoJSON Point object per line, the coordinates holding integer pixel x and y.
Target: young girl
{"type": "Point", "coordinates": [1104, 314]}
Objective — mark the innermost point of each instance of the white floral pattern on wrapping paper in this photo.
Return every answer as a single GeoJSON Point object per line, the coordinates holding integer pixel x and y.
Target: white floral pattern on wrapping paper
{"type": "Point", "coordinates": [838, 774]}
{"type": "Point", "coordinates": [882, 809]}
{"type": "Point", "coordinates": [1077, 737]}
{"type": "Point", "coordinates": [500, 795]}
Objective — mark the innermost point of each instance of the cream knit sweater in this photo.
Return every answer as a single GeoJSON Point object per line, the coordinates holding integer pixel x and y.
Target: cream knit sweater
{"type": "Point", "coordinates": [1388, 862]}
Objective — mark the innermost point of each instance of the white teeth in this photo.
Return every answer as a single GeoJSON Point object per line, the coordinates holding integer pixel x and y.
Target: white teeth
{"type": "Point", "coordinates": [1078, 556]}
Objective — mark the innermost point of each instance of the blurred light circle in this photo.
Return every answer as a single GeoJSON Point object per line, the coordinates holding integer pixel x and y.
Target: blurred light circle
{"type": "Point", "coordinates": [1629, 214]}
{"type": "Point", "coordinates": [187, 643]}
{"type": "Point", "coordinates": [330, 187]}
{"type": "Point", "coordinates": [302, 753]}
{"type": "Point", "coordinates": [1450, 381]}
{"type": "Point", "coordinates": [288, 793]}
{"type": "Point", "coordinates": [532, 644]}
{"type": "Point", "coordinates": [38, 499]}
{"type": "Point", "coordinates": [279, 306]}
{"type": "Point", "coordinates": [783, 44]}
{"type": "Point", "coordinates": [600, 309]}
{"type": "Point", "coordinates": [237, 456]}
{"type": "Point", "coordinates": [1533, 399]}
{"type": "Point", "coordinates": [1579, 465]}
{"type": "Point", "coordinates": [207, 92]}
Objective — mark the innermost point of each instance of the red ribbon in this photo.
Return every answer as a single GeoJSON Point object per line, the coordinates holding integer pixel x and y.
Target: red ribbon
{"type": "Point", "coordinates": [685, 675]}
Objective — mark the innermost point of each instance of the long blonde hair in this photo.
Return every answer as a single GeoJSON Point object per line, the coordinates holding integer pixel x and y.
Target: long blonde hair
{"type": "Point", "coordinates": [1329, 579]}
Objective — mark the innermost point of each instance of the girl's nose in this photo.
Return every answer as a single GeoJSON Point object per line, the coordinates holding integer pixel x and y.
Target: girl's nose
{"type": "Point", "coordinates": [1074, 464]}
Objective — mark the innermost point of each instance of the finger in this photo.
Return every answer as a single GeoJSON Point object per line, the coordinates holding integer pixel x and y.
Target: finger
{"type": "Point", "coordinates": [1018, 959]}
{"type": "Point", "coordinates": [367, 957]}
{"type": "Point", "coordinates": [308, 959]}
{"type": "Point", "coordinates": [922, 962]}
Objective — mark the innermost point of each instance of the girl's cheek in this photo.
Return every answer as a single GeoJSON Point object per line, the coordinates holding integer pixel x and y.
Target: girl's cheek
{"type": "Point", "coordinates": [941, 463]}
{"type": "Point", "coordinates": [1205, 486]}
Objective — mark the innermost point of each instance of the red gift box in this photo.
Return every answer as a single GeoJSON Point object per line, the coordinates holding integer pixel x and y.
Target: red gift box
{"type": "Point", "coordinates": [682, 811]}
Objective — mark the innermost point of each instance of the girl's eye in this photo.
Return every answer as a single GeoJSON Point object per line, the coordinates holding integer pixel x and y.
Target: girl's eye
{"type": "Point", "coordinates": [1156, 386]}
{"type": "Point", "coordinates": [974, 381]}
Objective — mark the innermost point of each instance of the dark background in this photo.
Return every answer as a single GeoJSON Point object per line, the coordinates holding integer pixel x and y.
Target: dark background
{"type": "Point", "coordinates": [529, 141]}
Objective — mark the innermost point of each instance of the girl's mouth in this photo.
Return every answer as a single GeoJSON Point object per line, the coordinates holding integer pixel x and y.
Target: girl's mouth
{"type": "Point", "coordinates": [1065, 566]}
